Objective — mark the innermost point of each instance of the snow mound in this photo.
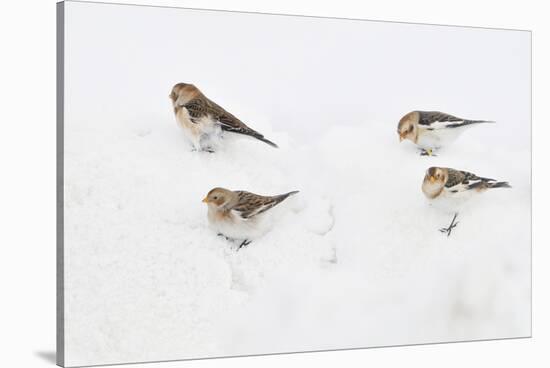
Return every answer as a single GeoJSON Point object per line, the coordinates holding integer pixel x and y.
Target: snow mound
{"type": "Point", "coordinates": [353, 260]}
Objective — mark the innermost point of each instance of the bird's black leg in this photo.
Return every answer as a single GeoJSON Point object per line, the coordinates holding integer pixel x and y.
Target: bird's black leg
{"type": "Point", "coordinates": [244, 243]}
{"type": "Point", "coordinates": [451, 226]}
{"type": "Point", "coordinates": [226, 238]}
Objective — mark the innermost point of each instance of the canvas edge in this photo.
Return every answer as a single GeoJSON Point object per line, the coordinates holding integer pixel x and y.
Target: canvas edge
{"type": "Point", "coordinates": [531, 174]}
{"type": "Point", "coordinates": [60, 83]}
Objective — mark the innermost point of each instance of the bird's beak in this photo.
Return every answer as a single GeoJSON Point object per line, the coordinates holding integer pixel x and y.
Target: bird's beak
{"type": "Point", "coordinates": [432, 179]}
{"type": "Point", "coordinates": [205, 200]}
{"type": "Point", "coordinates": [401, 137]}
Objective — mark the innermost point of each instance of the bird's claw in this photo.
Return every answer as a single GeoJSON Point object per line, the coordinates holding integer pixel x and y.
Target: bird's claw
{"type": "Point", "coordinates": [451, 226]}
{"type": "Point", "coordinates": [226, 238]}
{"type": "Point", "coordinates": [428, 152]}
{"type": "Point", "coordinates": [207, 149]}
{"type": "Point", "coordinates": [448, 229]}
{"type": "Point", "coordinates": [244, 243]}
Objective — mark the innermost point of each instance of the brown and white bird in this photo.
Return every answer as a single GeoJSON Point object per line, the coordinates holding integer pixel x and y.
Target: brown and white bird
{"type": "Point", "coordinates": [204, 121]}
{"type": "Point", "coordinates": [449, 188]}
{"type": "Point", "coordinates": [239, 215]}
{"type": "Point", "coordinates": [432, 130]}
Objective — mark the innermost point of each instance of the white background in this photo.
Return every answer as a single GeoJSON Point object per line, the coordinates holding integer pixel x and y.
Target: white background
{"type": "Point", "coordinates": [28, 185]}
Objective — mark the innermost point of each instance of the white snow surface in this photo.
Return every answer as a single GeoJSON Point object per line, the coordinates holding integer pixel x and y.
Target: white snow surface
{"type": "Point", "coordinates": [354, 260]}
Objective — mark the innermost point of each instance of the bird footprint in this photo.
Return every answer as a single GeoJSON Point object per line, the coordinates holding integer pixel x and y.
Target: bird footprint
{"type": "Point", "coordinates": [143, 132]}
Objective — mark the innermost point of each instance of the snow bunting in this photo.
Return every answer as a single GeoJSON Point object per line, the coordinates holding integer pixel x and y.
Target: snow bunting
{"type": "Point", "coordinates": [450, 187]}
{"type": "Point", "coordinates": [204, 121]}
{"type": "Point", "coordinates": [432, 129]}
{"type": "Point", "coordinates": [238, 215]}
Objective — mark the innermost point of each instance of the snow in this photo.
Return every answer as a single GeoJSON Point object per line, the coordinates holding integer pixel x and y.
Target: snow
{"type": "Point", "coordinates": [353, 260]}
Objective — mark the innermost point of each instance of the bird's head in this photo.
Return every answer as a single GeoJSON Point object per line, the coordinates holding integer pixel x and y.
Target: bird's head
{"type": "Point", "coordinates": [436, 176]}
{"type": "Point", "coordinates": [408, 127]}
{"type": "Point", "coordinates": [434, 181]}
{"type": "Point", "coordinates": [218, 198]}
{"type": "Point", "coordinates": [182, 93]}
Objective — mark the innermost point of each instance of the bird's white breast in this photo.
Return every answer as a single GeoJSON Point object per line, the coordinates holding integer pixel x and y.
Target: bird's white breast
{"type": "Point", "coordinates": [205, 132]}
{"type": "Point", "coordinates": [438, 138]}
{"type": "Point", "coordinates": [184, 121]}
{"type": "Point", "coordinates": [451, 202]}
{"type": "Point", "coordinates": [234, 226]}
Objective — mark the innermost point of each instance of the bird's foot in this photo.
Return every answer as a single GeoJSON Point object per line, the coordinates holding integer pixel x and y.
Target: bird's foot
{"type": "Point", "coordinates": [447, 230]}
{"type": "Point", "coordinates": [201, 149]}
{"type": "Point", "coordinates": [244, 243]}
{"type": "Point", "coordinates": [226, 238]}
{"type": "Point", "coordinates": [427, 152]}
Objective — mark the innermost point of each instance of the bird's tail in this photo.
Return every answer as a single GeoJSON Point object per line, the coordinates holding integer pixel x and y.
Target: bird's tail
{"type": "Point", "coordinates": [500, 184]}
{"type": "Point", "coordinates": [282, 197]}
{"type": "Point", "coordinates": [470, 122]}
{"type": "Point", "coordinates": [261, 138]}
{"type": "Point", "coordinates": [245, 130]}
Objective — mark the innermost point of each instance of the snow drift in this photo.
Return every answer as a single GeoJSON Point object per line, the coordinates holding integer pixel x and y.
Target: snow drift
{"type": "Point", "coordinates": [353, 260]}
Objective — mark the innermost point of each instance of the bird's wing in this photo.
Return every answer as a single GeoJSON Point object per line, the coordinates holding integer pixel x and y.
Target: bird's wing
{"type": "Point", "coordinates": [250, 204]}
{"type": "Point", "coordinates": [229, 122]}
{"type": "Point", "coordinates": [196, 108]}
{"type": "Point", "coordinates": [438, 120]}
{"type": "Point", "coordinates": [202, 107]}
{"type": "Point", "coordinates": [434, 120]}
{"type": "Point", "coordinates": [461, 181]}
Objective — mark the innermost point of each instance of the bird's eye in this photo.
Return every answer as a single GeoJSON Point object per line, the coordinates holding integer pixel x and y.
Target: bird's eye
{"type": "Point", "coordinates": [215, 197]}
{"type": "Point", "coordinates": [410, 128]}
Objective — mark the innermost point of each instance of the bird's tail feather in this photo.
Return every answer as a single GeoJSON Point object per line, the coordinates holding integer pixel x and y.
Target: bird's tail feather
{"type": "Point", "coordinates": [500, 184]}
{"type": "Point", "coordinates": [282, 197]}
{"type": "Point", "coordinates": [261, 138]}
{"type": "Point", "coordinates": [244, 130]}
{"type": "Point", "coordinates": [468, 122]}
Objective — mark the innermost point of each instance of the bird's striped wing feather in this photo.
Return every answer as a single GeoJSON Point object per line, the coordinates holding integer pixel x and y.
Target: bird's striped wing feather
{"type": "Point", "coordinates": [228, 121]}
{"type": "Point", "coordinates": [196, 108]}
{"type": "Point", "coordinates": [250, 204]}
{"type": "Point", "coordinates": [439, 120]}
{"type": "Point", "coordinates": [430, 117]}
{"type": "Point", "coordinates": [436, 120]}
{"type": "Point", "coordinates": [201, 107]}
{"type": "Point", "coordinates": [461, 181]}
